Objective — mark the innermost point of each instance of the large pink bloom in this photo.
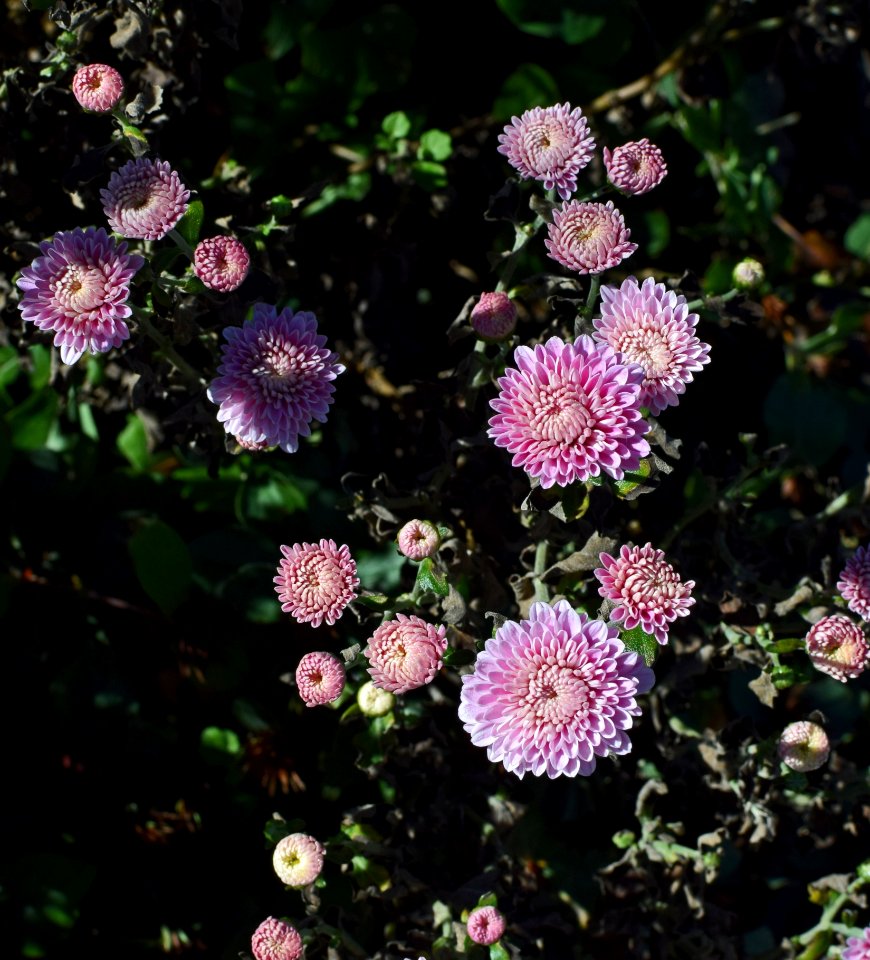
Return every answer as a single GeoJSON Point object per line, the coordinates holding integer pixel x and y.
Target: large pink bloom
{"type": "Point", "coordinates": [588, 237]}
{"type": "Point", "coordinates": [275, 377]}
{"type": "Point", "coordinates": [79, 289]}
{"type": "Point", "coordinates": [98, 87]}
{"type": "Point", "coordinates": [276, 940]}
{"type": "Point", "coordinates": [405, 653]}
{"type": "Point", "coordinates": [570, 411]}
{"type": "Point", "coordinates": [858, 948]}
{"type": "Point", "coordinates": [651, 325]}
{"type": "Point", "coordinates": [145, 199]}
{"type": "Point", "coordinates": [854, 583]}
{"type": "Point", "coordinates": [316, 582]}
{"type": "Point", "coordinates": [550, 694]}
{"type": "Point", "coordinates": [837, 646]}
{"type": "Point", "coordinates": [635, 167]}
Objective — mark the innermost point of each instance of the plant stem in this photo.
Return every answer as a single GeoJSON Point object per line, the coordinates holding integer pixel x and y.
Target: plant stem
{"type": "Point", "coordinates": [541, 591]}
{"type": "Point", "coordinates": [523, 236]}
{"type": "Point", "coordinates": [182, 243]}
{"type": "Point", "coordinates": [166, 347]}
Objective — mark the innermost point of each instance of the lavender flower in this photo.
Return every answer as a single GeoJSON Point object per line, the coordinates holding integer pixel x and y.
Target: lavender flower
{"type": "Point", "coordinates": [588, 237]}
{"type": "Point", "coordinates": [635, 167]}
{"type": "Point", "coordinates": [222, 263]}
{"type": "Point", "coordinates": [857, 948]}
{"type": "Point", "coordinates": [98, 87]}
{"type": "Point", "coordinates": [145, 199]}
{"type": "Point", "coordinates": [316, 582]}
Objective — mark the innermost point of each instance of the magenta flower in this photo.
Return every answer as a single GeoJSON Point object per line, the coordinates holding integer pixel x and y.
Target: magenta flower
{"type": "Point", "coordinates": [418, 539]}
{"type": "Point", "coordinates": [646, 589]}
{"type": "Point", "coordinates": [550, 144]}
{"type": "Point", "coordinates": [320, 678]}
{"type": "Point", "coordinates": [98, 87]}
{"type": "Point", "coordinates": [803, 746]}
{"type": "Point", "coordinates": [550, 694]}
{"type": "Point", "coordinates": [494, 316]}
{"type": "Point", "coordinates": [651, 326]}
{"type": "Point", "coordinates": [275, 377]}
{"type": "Point", "coordinates": [588, 237]}
{"type": "Point", "coordinates": [276, 940]}
{"type": "Point", "coordinates": [485, 925]}
{"type": "Point", "coordinates": [854, 583]}
{"type": "Point", "coordinates": [222, 263]}
{"type": "Point", "coordinates": [316, 582]}
{"type": "Point", "coordinates": [837, 646]}
{"type": "Point", "coordinates": [145, 199]}
{"type": "Point", "coordinates": [298, 859]}
{"type": "Point", "coordinates": [79, 289]}
{"type": "Point", "coordinates": [405, 653]}
{"type": "Point", "coordinates": [570, 411]}
{"type": "Point", "coordinates": [635, 167]}
{"type": "Point", "coordinates": [857, 948]}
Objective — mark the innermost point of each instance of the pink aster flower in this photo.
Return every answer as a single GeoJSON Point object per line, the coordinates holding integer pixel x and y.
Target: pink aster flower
{"type": "Point", "coordinates": [298, 859]}
{"type": "Point", "coordinates": [588, 237]}
{"type": "Point", "coordinates": [275, 377]}
{"type": "Point", "coordinates": [222, 263]}
{"type": "Point", "coordinates": [803, 746]}
{"type": "Point", "coordinates": [418, 539]}
{"type": "Point", "coordinates": [485, 925]}
{"type": "Point", "coordinates": [79, 289]}
{"type": "Point", "coordinates": [837, 646]}
{"type": "Point", "coordinates": [570, 411]}
{"type": "Point", "coordinates": [854, 583]}
{"type": "Point", "coordinates": [316, 582]}
{"type": "Point", "coordinates": [145, 199]}
{"type": "Point", "coordinates": [98, 87]}
{"type": "Point", "coordinates": [494, 316]}
{"type": "Point", "coordinates": [550, 144]}
{"type": "Point", "coordinates": [405, 653]}
{"type": "Point", "coordinates": [858, 948]}
{"type": "Point", "coordinates": [651, 325]}
{"type": "Point", "coordinates": [635, 167]}
{"type": "Point", "coordinates": [550, 694]}
{"type": "Point", "coordinates": [320, 678]}
{"type": "Point", "coordinates": [276, 940]}
{"type": "Point", "coordinates": [646, 588]}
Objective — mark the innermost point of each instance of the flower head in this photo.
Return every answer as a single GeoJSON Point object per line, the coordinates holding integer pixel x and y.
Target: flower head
{"type": "Point", "coordinates": [98, 87]}
{"type": "Point", "coordinates": [316, 582]}
{"type": "Point", "coordinates": [418, 539]}
{"type": "Point", "coordinates": [550, 144]}
{"type": "Point", "coordinates": [837, 646]}
{"type": "Point", "coordinates": [854, 583]}
{"type": "Point", "coordinates": [651, 326]}
{"type": "Point", "coordinates": [485, 925]}
{"type": "Point", "coordinates": [222, 263]}
{"type": "Point", "coordinates": [494, 316]}
{"type": "Point", "coordinates": [145, 199]}
{"type": "Point", "coordinates": [405, 653]}
{"type": "Point", "coordinates": [570, 411]}
{"type": "Point", "coordinates": [320, 678]}
{"type": "Point", "coordinates": [298, 859]}
{"type": "Point", "coordinates": [646, 588]}
{"type": "Point", "coordinates": [588, 237]}
{"type": "Point", "coordinates": [803, 746]}
{"type": "Point", "coordinates": [635, 167]}
{"type": "Point", "coordinates": [79, 289]}
{"type": "Point", "coordinates": [550, 694]}
{"type": "Point", "coordinates": [747, 274]}
{"type": "Point", "coordinates": [275, 377]}
{"type": "Point", "coordinates": [857, 948]}
{"type": "Point", "coordinates": [276, 940]}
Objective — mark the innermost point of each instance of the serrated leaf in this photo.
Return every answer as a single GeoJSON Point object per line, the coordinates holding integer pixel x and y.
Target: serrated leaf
{"type": "Point", "coordinates": [190, 224]}
{"type": "Point", "coordinates": [429, 580]}
{"type": "Point", "coordinates": [643, 643]}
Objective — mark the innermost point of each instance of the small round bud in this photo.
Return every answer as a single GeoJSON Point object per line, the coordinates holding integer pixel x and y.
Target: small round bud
{"type": "Point", "coordinates": [485, 925]}
{"type": "Point", "coordinates": [374, 702]}
{"type": "Point", "coordinates": [494, 317]}
{"type": "Point", "coordinates": [803, 746]}
{"type": "Point", "coordinates": [98, 87]}
{"type": "Point", "coordinates": [320, 678]}
{"type": "Point", "coordinates": [222, 263]}
{"type": "Point", "coordinates": [747, 274]}
{"type": "Point", "coordinates": [418, 539]}
{"type": "Point", "coordinates": [276, 940]}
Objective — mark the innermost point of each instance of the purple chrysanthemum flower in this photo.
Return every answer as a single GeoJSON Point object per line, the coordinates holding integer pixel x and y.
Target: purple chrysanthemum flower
{"type": "Point", "coordinates": [803, 746]}
{"type": "Point", "coordinates": [857, 948]}
{"type": "Point", "coordinates": [98, 87]}
{"type": "Point", "coordinates": [588, 237]}
{"type": "Point", "coordinates": [550, 144]}
{"type": "Point", "coordinates": [550, 694]}
{"type": "Point", "coordinates": [145, 199]}
{"type": "Point", "coordinates": [298, 859]}
{"type": "Point", "coordinates": [276, 940]}
{"type": "Point", "coordinates": [275, 377]}
{"type": "Point", "coordinates": [418, 539]}
{"type": "Point", "coordinates": [646, 588]}
{"type": "Point", "coordinates": [651, 325]}
{"type": "Point", "coordinates": [635, 167]}
{"type": "Point", "coordinates": [316, 582]}
{"type": "Point", "coordinates": [485, 925]}
{"type": "Point", "coordinates": [405, 653]}
{"type": "Point", "coordinates": [494, 316]}
{"type": "Point", "coordinates": [570, 411]}
{"type": "Point", "coordinates": [320, 678]}
{"type": "Point", "coordinates": [837, 646]}
{"type": "Point", "coordinates": [854, 583]}
{"type": "Point", "coordinates": [79, 288]}
{"type": "Point", "coordinates": [222, 263]}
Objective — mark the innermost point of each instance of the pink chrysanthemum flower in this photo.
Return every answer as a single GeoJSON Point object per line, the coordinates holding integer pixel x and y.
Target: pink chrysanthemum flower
{"type": "Point", "coordinates": [405, 653]}
{"type": "Point", "coordinates": [316, 582]}
{"type": "Point", "coordinates": [320, 678]}
{"type": "Point", "coordinates": [494, 316]}
{"type": "Point", "coordinates": [550, 694]}
{"type": "Point", "coordinates": [298, 859]}
{"type": "Point", "coordinates": [854, 583]}
{"type": "Point", "coordinates": [651, 326]}
{"type": "Point", "coordinates": [145, 199]}
{"type": "Point", "coordinates": [98, 87]}
{"type": "Point", "coordinates": [222, 263]}
{"type": "Point", "coordinates": [79, 289]}
{"type": "Point", "coordinates": [485, 925]}
{"type": "Point", "coordinates": [837, 646]}
{"type": "Point", "coordinates": [570, 411]}
{"type": "Point", "coordinates": [550, 144]}
{"type": "Point", "coordinates": [588, 237]}
{"type": "Point", "coordinates": [803, 746]}
{"type": "Point", "coordinates": [276, 940]}
{"type": "Point", "coordinates": [275, 377]}
{"type": "Point", "coordinates": [635, 167]}
{"type": "Point", "coordinates": [857, 948]}
{"type": "Point", "coordinates": [418, 539]}
{"type": "Point", "coordinates": [646, 588]}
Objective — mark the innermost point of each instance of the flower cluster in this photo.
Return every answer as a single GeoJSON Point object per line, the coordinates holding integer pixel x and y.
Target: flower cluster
{"type": "Point", "coordinates": [298, 859]}
{"type": "Point", "coordinates": [837, 646]}
{"type": "Point", "coordinates": [405, 653]}
{"type": "Point", "coordinates": [316, 582]}
{"type": "Point", "coordinates": [145, 199]}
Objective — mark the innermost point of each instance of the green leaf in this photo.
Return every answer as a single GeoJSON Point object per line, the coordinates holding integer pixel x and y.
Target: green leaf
{"type": "Point", "coordinates": [659, 229]}
{"type": "Point", "coordinates": [633, 479]}
{"type": "Point", "coordinates": [429, 175]}
{"type": "Point", "coordinates": [396, 125]}
{"type": "Point", "coordinates": [643, 643]}
{"type": "Point", "coordinates": [530, 85]}
{"type": "Point", "coordinates": [498, 952]}
{"type": "Point", "coordinates": [87, 423]}
{"type": "Point", "coordinates": [190, 224]}
{"type": "Point", "coordinates": [10, 367]}
{"type": "Point", "coordinates": [429, 580]}
{"type": "Point", "coordinates": [857, 239]}
{"type": "Point", "coordinates": [31, 422]}
{"type": "Point", "coordinates": [220, 741]}
{"type": "Point", "coordinates": [376, 601]}
{"type": "Point", "coordinates": [132, 443]}
{"type": "Point", "coordinates": [162, 563]}
{"type": "Point", "coordinates": [551, 19]}
{"type": "Point", "coordinates": [435, 145]}
{"type": "Point", "coordinates": [40, 357]}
